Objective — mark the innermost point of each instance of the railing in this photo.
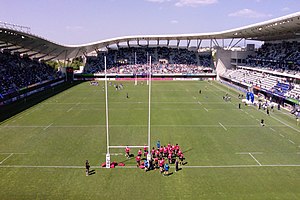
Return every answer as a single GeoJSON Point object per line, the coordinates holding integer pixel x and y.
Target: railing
{"type": "Point", "coordinates": [15, 27]}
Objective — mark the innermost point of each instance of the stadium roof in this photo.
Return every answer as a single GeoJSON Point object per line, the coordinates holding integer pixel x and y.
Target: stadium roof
{"type": "Point", "coordinates": [16, 39]}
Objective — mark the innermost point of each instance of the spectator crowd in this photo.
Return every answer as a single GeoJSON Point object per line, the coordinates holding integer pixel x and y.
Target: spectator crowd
{"type": "Point", "coordinates": [134, 60]}
{"type": "Point", "coordinates": [18, 72]}
{"type": "Point", "coordinates": [157, 69]}
{"type": "Point", "coordinates": [280, 57]}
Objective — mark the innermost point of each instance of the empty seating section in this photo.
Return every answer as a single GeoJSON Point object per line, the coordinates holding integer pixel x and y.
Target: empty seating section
{"type": "Point", "coordinates": [294, 92]}
{"type": "Point", "coordinates": [281, 88]}
{"type": "Point", "coordinates": [265, 81]}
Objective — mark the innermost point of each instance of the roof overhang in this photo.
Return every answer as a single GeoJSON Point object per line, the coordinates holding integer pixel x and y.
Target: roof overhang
{"type": "Point", "coordinates": [283, 28]}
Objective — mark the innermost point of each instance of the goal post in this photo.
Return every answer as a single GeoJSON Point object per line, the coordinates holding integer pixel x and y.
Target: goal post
{"type": "Point", "coordinates": [149, 108]}
{"type": "Point", "coordinates": [107, 119]}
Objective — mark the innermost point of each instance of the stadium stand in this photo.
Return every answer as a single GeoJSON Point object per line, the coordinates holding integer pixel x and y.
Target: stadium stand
{"type": "Point", "coordinates": [17, 73]}
{"type": "Point", "coordinates": [294, 92]}
{"type": "Point", "coordinates": [280, 57]}
{"type": "Point", "coordinates": [165, 60]}
{"type": "Point", "coordinates": [274, 69]}
{"type": "Point", "coordinates": [156, 69]}
{"type": "Point", "coordinates": [276, 85]}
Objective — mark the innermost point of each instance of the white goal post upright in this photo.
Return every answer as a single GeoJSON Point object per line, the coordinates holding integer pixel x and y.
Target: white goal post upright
{"type": "Point", "coordinates": [135, 78]}
{"type": "Point", "coordinates": [148, 68]}
{"type": "Point", "coordinates": [106, 117]}
{"type": "Point", "coordinates": [149, 112]}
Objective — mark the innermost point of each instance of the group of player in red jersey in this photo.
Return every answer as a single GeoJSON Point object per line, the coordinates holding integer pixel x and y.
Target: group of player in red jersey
{"type": "Point", "coordinates": [171, 153]}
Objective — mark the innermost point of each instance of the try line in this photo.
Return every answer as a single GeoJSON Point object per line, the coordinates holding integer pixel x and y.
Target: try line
{"type": "Point", "coordinates": [134, 167]}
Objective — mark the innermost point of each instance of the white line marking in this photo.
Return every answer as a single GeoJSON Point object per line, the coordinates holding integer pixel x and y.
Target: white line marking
{"type": "Point", "coordinates": [12, 153]}
{"type": "Point", "coordinates": [255, 159]}
{"type": "Point", "coordinates": [205, 109]}
{"type": "Point", "coordinates": [194, 97]}
{"type": "Point", "coordinates": [292, 142]}
{"type": "Point", "coordinates": [281, 135]}
{"type": "Point", "coordinates": [286, 124]}
{"type": "Point", "coordinates": [77, 103]}
{"type": "Point", "coordinates": [6, 158]}
{"type": "Point", "coordinates": [223, 126]}
{"type": "Point", "coordinates": [249, 152]}
{"type": "Point", "coordinates": [131, 102]}
{"type": "Point", "coordinates": [257, 120]}
{"type": "Point", "coordinates": [272, 129]}
{"type": "Point", "coordinates": [126, 109]}
{"type": "Point", "coordinates": [33, 166]}
{"type": "Point", "coordinates": [251, 116]}
{"type": "Point", "coordinates": [69, 109]}
{"type": "Point", "coordinates": [134, 167]}
{"type": "Point", "coordinates": [246, 113]}
{"type": "Point", "coordinates": [136, 125]}
{"type": "Point", "coordinates": [221, 166]}
{"type": "Point", "coordinates": [47, 127]}
{"type": "Point", "coordinates": [238, 166]}
{"type": "Point", "coordinates": [115, 154]}
{"type": "Point", "coordinates": [199, 102]}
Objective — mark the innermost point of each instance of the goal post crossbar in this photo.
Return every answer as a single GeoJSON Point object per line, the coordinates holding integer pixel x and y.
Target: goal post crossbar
{"type": "Point", "coordinates": [120, 147]}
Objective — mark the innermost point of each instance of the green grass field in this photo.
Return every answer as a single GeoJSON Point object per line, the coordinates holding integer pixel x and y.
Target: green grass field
{"type": "Point", "coordinates": [229, 155]}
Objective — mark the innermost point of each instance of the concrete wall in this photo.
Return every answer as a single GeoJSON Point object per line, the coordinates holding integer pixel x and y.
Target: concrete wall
{"type": "Point", "coordinates": [224, 56]}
